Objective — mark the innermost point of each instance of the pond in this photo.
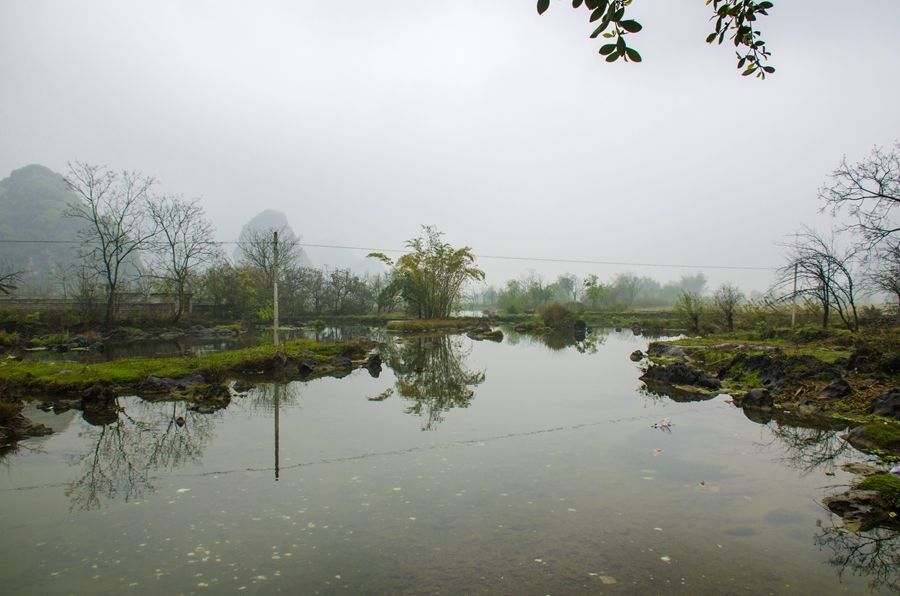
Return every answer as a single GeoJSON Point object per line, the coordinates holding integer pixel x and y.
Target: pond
{"type": "Point", "coordinates": [465, 467]}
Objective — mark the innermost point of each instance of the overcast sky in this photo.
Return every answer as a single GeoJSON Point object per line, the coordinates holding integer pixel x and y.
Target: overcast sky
{"type": "Point", "coordinates": [362, 120]}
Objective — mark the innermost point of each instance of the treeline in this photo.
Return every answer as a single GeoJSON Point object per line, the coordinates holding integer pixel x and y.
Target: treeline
{"type": "Point", "coordinates": [622, 292]}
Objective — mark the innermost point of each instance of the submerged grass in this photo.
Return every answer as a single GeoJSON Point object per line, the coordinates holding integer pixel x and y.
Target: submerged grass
{"type": "Point", "coordinates": [68, 376]}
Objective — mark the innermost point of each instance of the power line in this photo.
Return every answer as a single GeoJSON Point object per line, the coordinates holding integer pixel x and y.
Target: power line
{"type": "Point", "coordinates": [480, 256]}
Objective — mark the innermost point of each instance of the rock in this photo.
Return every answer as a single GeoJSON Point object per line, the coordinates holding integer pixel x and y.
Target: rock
{"type": "Point", "coordinates": [637, 329]}
{"type": "Point", "coordinates": [242, 386]}
{"type": "Point", "coordinates": [861, 510]}
{"type": "Point", "coordinates": [887, 404]}
{"type": "Point", "coordinates": [373, 364]}
{"type": "Point", "coordinates": [755, 398]}
{"type": "Point", "coordinates": [307, 366]}
{"type": "Point", "coordinates": [861, 469]}
{"type": "Point", "coordinates": [180, 421]}
{"type": "Point", "coordinates": [636, 356]}
{"type": "Point", "coordinates": [170, 335]}
{"type": "Point", "coordinates": [666, 350]}
{"type": "Point", "coordinates": [98, 393]}
{"type": "Point", "coordinates": [482, 334]}
{"type": "Point", "coordinates": [342, 362]}
{"type": "Point", "coordinates": [580, 326]}
{"type": "Point", "coordinates": [873, 437]}
{"type": "Point", "coordinates": [681, 374]}
{"type": "Point", "coordinates": [836, 390]}
{"type": "Point", "coordinates": [277, 362]}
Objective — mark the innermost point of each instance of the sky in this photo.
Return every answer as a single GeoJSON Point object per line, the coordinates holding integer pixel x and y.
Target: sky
{"type": "Point", "coordinates": [362, 121]}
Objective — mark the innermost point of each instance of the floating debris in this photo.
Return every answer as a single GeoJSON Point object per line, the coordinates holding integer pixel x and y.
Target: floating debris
{"type": "Point", "coordinates": [664, 425]}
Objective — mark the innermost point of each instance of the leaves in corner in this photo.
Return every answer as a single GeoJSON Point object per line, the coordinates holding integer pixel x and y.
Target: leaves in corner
{"type": "Point", "coordinates": [542, 6]}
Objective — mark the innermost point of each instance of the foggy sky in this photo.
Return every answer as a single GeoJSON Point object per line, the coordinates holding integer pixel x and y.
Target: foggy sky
{"type": "Point", "coordinates": [363, 120]}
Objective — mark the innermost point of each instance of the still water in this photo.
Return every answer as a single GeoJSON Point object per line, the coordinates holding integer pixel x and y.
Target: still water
{"type": "Point", "coordinates": [465, 467]}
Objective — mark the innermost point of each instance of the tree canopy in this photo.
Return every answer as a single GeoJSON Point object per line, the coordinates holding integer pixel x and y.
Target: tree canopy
{"type": "Point", "coordinates": [431, 277]}
{"type": "Point", "coordinates": [734, 20]}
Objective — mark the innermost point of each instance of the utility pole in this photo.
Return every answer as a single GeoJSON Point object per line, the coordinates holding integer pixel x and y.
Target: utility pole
{"type": "Point", "coordinates": [275, 289]}
{"type": "Point", "coordinates": [794, 300]}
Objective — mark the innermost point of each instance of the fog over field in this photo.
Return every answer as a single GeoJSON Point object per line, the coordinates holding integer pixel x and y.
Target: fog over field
{"type": "Point", "coordinates": [363, 120]}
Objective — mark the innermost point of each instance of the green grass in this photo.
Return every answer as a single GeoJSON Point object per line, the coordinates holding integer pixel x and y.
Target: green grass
{"type": "Point", "coordinates": [68, 376]}
{"type": "Point", "coordinates": [886, 484]}
{"type": "Point", "coordinates": [884, 434]}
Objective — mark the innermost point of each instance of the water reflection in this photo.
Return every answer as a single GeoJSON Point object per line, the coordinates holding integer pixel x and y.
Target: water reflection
{"type": "Point", "coordinates": [583, 342]}
{"type": "Point", "coordinates": [122, 455]}
{"type": "Point", "coordinates": [808, 449]}
{"type": "Point", "coordinates": [431, 371]}
{"type": "Point", "coordinates": [874, 554]}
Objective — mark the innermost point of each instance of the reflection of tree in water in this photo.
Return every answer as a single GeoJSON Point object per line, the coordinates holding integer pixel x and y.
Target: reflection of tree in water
{"type": "Point", "coordinates": [265, 395]}
{"type": "Point", "coordinates": [431, 372]}
{"type": "Point", "coordinates": [584, 343]}
{"type": "Point", "coordinates": [874, 554]}
{"type": "Point", "coordinates": [123, 454]}
{"type": "Point", "coordinates": [808, 449]}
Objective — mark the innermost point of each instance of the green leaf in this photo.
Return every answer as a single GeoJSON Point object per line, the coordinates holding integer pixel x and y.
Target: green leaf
{"type": "Point", "coordinates": [608, 49]}
{"type": "Point", "coordinates": [631, 26]}
{"type": "Point", "coordinates": [596, 15]}
{"type": "Point", "coordinates": [620, 44]}
{"type": "Point", "coordinates": [542, 6]}
{"type": "Point", "coordinates": [576, 3]}
{"type": "Point", "coordinates": [632, 54]}
{"type": "Point", "coordinates": [710, 38]}
{"type": "Point", "coordinates": [613, 57]}
{"type": "Point", "coordinates": [769, 69]}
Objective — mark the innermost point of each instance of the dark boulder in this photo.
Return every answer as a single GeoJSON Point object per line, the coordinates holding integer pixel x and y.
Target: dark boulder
{"type": "Point", "coordinates": [636, 356]}
{"type": "Point", "coordinates": [580, 325]}
{"type": "Point", "coordinates": [755, 398]}
{"type": "Point", "coordinates": [861, 509]}
{"type": "Point", "coordinates": [836, 390]}
{"type": "Point", "coordinates": [681, 374]}
{"type": "Point", "coordinates": [342, 362]}
{"type": "Point", "coordinates": [306, 366]}
{"type": "Point", "coordinates": [887, 404]}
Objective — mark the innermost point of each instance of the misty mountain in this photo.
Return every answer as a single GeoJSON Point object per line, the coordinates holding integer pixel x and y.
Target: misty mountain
{"type": "Point", "coordinates": [33, 201]}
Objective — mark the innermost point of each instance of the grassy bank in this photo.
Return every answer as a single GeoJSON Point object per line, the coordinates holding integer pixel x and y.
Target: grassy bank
{"type": "Point", "coordinates": [66, 377]}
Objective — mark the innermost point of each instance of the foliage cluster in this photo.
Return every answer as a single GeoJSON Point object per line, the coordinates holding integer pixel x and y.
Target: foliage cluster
{"type": "Point", "coordinates": [430, 278]}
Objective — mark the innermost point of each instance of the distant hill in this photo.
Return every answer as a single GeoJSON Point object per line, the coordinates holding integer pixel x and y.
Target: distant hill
{"type": "Point", "coordinates": [33, 201]}
{"type": "Point", "coordinates": [267, 221]}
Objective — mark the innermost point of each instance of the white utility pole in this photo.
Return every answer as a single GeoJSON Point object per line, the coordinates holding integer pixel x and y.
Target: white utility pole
{"type": "Point", "coordinates": [275, 290]}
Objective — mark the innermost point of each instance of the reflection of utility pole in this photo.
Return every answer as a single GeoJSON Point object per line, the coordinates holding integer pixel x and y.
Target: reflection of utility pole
{"type": "Point", "coordinates": [277, 387]}
{"type": "Point", "coordinates": [275, 289]}
{"type": "Point", "coordinates": [794, 299]}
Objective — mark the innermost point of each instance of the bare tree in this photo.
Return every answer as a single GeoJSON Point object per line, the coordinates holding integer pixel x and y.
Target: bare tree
{"type": "Point", "coordinates": [727, 298]}
{"type": "Point", "coordinates": [114, 207]}
{"type": "Point", "coordinates": [868, 191]}
{"type": "Point", "coordinates": [824, 273]}
{"type": "Point", "coordinates": [885, 274]}
{"type": "Point", "coordinates": [185, 242]}
{"type": "Point", "coordinates": [8, 279]}
{"type": "Point", "coordinates": [256, 248]}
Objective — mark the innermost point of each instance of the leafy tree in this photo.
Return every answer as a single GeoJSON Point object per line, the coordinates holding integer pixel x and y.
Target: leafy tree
{"type": "Point", "coordinates": [594, 291]}
{"type": "Point", "coordinates": [734, 19]}
{"type": "Point", "coordinates": [690, 308]}
{"type": "Point", "coordinates": [431, 277]}
{"type": "Point", "coordinates": [727, 298]}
